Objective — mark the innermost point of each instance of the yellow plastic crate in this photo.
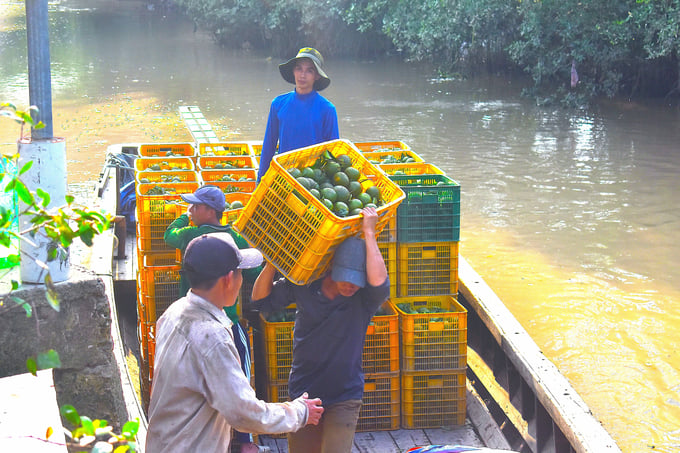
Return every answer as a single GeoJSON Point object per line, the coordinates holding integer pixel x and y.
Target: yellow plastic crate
{"type": "Point", "coordinates": [417, 168]}
{"type": "Point", "coordinates": [381, 348]}
{"type": "Point", "coordinates": [389, 232]}
{"type": "Point", "coordinates": [278, 346]}
{"type": "Point", "coordinates": [389, 253]}
{"type": "Point", "coordinates": [427, 268]}
{"type": "Point", "coordinates": [432, 399]}
{"type": "Point", "coordinates": [235, 186]}
{"type": "Point", "coordinates": [224, 149]}
{"type": "Point", "coordinates": [158, 284]}
{"type": "Point", "coordinates": [390, 145]}
{"type": "Point", "coordinates": [432, 341]}
{"type": "Point", "coordinates": [379, 157]}
{"type": "Point", "coordinates": [163, 149]}
{"type": "Point", "coordinates": [229, 175]}
{"type": "Point", "coordinates": [166, 177]}
{"type": "Point", "coordinates": [380, 410]}
{"type": "Point", "coordinates": [148, 201]}
{"type": "Point", "coordinates": [230, 215]}
{"type": "Point", "coordinates": [164, 163]}
{"type": "Point", "coordinates": [226, 162]}
{"type": "Point", "coordinates": [151, 226]}
{"type": "Point", "coordinates": [294, 230]}
{"type": "Point", "coordinates": [146, 334]}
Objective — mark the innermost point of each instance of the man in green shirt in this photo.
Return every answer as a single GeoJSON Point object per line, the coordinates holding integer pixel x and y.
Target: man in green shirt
{"type": "Point", "coordinates": [206, 207]}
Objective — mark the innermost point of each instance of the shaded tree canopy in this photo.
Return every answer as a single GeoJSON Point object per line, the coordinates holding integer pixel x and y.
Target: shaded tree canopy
{"type": "Point", "coordinates": [573, 51]}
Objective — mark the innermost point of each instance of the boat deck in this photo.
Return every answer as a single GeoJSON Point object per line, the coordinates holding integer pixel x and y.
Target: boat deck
{"type": "Point", "coordinates": [479, 429]}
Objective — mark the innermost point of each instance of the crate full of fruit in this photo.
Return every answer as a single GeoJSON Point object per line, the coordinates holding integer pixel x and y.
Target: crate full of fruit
{"type": "Point", "coordinates": [309, 201]}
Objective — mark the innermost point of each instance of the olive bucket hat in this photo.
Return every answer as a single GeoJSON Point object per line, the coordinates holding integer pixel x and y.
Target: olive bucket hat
{"type": "Point", "coordinates": [286, 69]}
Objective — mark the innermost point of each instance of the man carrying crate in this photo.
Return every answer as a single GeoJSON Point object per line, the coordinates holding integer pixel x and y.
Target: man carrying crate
{"type": "Point", "coordinates": [332, 316]}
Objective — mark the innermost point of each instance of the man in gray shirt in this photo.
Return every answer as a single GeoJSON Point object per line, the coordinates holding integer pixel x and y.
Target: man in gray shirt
{"type": "Point", "coordinates": [199, 391]}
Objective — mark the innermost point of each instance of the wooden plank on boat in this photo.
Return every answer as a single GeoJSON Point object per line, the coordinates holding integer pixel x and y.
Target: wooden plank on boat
{"type": "Point", "coordinates": [482, 420]}
{"type": "Point", "coordinates": [455, 435]}
{"type": "Point", "coordinates": [566, 408]}
{"type": "Point", "coordinates": [409, 438]}
{"type": "Point", "coordinates": [369, 442]}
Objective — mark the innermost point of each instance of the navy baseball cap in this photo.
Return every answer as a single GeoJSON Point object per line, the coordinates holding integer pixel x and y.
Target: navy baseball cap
{"type": "Point", "coordinates": [349, 262]}
{"type": "Point", "coordinates": [214, 255]}
{"type": "Point", "coordinates": [211, 196]}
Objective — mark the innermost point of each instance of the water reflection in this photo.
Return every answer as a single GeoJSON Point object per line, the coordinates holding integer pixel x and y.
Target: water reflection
{"type": "Point", "coordinates": [572, 217]}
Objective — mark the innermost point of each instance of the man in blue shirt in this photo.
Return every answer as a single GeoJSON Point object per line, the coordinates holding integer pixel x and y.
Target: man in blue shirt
{"type": "Point", "coordinates": [332, 315]}
{"type": "Point", "coordinates": [301, 117]}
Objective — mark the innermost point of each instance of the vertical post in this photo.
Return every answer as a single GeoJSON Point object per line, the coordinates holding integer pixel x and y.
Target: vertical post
{"type": "Point", "coordinates": [48, 153]}
{"type": "Point", "coordinates": [39, 75]}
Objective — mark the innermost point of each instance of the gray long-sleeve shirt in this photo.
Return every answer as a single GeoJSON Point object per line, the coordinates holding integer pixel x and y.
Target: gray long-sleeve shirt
{"type": "Point", "coordinates": [199, 390]}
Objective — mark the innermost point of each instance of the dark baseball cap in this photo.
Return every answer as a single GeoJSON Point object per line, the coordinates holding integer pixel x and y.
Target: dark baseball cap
{"type": "Point", "coordinates": [214, 255]}
{"type": "Point", "coordinates": [211, 196]}
{"type": "Point", "coordinates": [349, 262]}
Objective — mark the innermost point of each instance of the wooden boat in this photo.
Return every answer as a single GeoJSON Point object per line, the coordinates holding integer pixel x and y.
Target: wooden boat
{"type": "Point", "coordinates": [517, 399]}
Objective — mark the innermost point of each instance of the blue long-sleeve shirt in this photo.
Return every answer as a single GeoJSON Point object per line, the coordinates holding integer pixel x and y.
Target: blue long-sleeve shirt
{"type": "Point", "coordinates": [295, 121]}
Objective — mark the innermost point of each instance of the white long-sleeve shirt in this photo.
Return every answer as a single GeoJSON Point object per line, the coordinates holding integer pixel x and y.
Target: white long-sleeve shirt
{"type": "Point", "coordinates": [199, 390]}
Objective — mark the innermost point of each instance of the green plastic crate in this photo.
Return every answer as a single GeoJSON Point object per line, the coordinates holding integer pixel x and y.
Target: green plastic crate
{"type": "Point", "coordinates": [431, 210]}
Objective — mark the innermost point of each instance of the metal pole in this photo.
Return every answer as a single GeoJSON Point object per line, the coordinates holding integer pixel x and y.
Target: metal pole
{"type": "Point", "coordinates": [39, 76]}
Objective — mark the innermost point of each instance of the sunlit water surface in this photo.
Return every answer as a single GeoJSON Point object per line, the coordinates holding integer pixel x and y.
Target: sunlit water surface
{"type": "Point", "coordinates": [572, 217]}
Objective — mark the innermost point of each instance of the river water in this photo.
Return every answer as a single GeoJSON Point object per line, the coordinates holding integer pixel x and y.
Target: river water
{"type": "Point", "coordinates": [572, 217]}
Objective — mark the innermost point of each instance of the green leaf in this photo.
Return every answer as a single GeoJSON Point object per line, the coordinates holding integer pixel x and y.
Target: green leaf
{"type": "Point", "coordinates": [69, 199]}
{"type": "Point", "coordinates": [15, 285]}
{"type": "Point", "coordinates": [32, 366]}
{"type": "Point", "coordinates": [88, 426]}
{"type": "Point", "coordinates": [51, 293]}
{"type": "Point", "coordinates": [71, 414]}
{"type": "Point", "coordinates": [27, 166]}
{"type": "Point", "coordinates": [25, 305]}
{"type": "Point", "coordinates": [23, 193]}
{"type": "Point", "coordinates": [49, 359]}
{"type": "Point", "coordinates": [130, 429]}
{"type": "Point", "coordinates": [122, 449]}
{"type": "Point", "coordinates": [44, 195]}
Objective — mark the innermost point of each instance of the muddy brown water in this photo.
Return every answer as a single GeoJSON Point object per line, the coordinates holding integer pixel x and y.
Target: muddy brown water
{"type": "Point", "coordinates": [571, 216]}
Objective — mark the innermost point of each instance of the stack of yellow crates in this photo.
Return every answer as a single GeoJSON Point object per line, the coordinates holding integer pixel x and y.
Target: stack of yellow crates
{"type": "Point", "coordinates": [163, 172]}
{"type": "Point", "coordinates": [433, 326]}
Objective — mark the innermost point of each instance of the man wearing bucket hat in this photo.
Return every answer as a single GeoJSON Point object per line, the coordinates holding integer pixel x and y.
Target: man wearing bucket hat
{"type": "Point", "coordinates": [199, 391]}
{"type": "Point", "coordinates": [206, 206]}
{"type": "Point", "coordinates": [332, 315]}
{"type": "Point", "coordinates": [301, 117]}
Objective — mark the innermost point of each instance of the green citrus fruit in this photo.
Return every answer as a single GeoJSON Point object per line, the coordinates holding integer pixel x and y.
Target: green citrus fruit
{"type": "Point", "coordinates": [374, 192]}
{"type": "Point", "coordinates": [354, 188]}
{"type": "Point", "coordinates": [352, 173]}
{"type": "Point", "coordinates": [236, 205]}
{"type": "Point", "coordinates": [332, 168]}
{"type": "Point", "coordinates": [329, 194]}
{"type": "Point", "coordinates": [342, 193]}
{"type": "Point", "coordinates": [316, 193]}
{"type": "Point", "coordinates": [355, 203]}
{"type": "Point", "coordinates": [328, 203]}
{"type": "Point", "coordinates": [365, 198]}
{"type": "Point", "coordinates": [356, 211]}
{"type": "Point", "coordinates": [308, 172]}
{"type": "Point", "coordinates": [340, 209]}
{"type": "Point", "coordinates": [340, 179]}
{"type": "Point", "coordinates": [295, 172]}
{"type": "Point", "coordinates": [344, 161]}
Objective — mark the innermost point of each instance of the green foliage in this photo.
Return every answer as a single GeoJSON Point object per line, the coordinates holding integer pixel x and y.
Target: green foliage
{"type": "Point", "coordinates": [618, 47]}
{"type": "Point", "coordinates": [96, 435]}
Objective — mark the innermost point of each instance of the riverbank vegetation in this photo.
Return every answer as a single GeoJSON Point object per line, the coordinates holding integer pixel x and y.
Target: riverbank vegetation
{"type": "Point", "coordinates": [572, 51]}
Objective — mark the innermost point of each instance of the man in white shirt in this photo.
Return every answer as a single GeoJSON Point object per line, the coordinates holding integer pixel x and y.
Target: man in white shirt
{"type": "Point", "coordinates": [199, 391]}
